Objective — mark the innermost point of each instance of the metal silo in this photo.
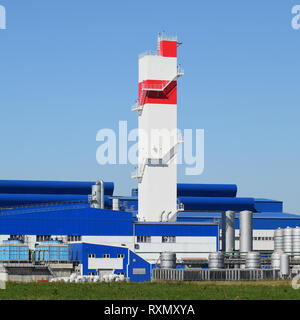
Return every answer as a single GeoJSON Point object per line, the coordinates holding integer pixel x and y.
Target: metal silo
{"type": "Point", "coordinates": [284, 265]}
{"type": "Point", "coordinates": [216, 260]}
{"type": "Point", "coordinates": [275, 259]}
{"type": "Point", "coordinates": [296, 242]}
{"type": "Point", "coordinates": [288, 240]}
{"type": "Point", "coordinates": [228, 231]}
{"type": "Point", "coordinates": [253, 260]}
{"type": "Point", "coordinates": [245, 232]}
{"type": "Point", "coordinates": [278, 239]}
{"type": "Point", "coordinates": [167, 260]}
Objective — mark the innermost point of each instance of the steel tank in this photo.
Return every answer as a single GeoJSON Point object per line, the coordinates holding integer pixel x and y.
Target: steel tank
{"type": "Point", "coordinates": [275, 259]}
{"type": "Point", "coordinates": [278, 239]}
{"type": "Point", "coordinates": [167, 260]}
{"type": "Point", "coordinates": [288, 240]}
{"type": "Point", "coordinates": [216, 260]}
{"type": "Point", "coordinates": [245, 232]}
{"type": "Point", "coordinates": [296, 242]}
{"type": "Point", "coordinates": [253, 260]}
{"type": "Point", "coordinates": [284, 265]}
{"type": "Point", "coordinates": [228, 231]}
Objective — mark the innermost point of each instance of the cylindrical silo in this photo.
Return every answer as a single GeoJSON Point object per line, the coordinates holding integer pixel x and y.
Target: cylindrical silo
{"type": "Point", "coordinates": [245, 232]}
{"type": "Point", "coordinates": [296, 242]}
{"type": "Point", "coordinates": [275, 259]}
{"type": "Point", "coordinates": [228, 231]}
{"type": "Point", "coordinates": [284, 265]}
{"type": "Point", "coordinates": [253, 260]}
{"type": "Point", "coordinates": [288, 240]}
{"type": "Point", "coordinates": [278, 239]}
{"type": "Point", "coordinates": [168, 260]}
{"type": "Point", "coordinates": [216, 260]}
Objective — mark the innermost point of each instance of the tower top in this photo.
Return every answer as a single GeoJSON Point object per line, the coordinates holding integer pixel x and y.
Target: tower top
{"type": "Point", "coordinates": [167, 47]}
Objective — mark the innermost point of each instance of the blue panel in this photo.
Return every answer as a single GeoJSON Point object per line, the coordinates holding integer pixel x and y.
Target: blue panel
{"type": "Point", "coordinates": [51, 187]}
{"type": "Point", "coordinates": [216, 204]}
{"type": "Point", "coordinates": [206, 190]}
{"type": "Point", "coordinates": [14, 253]}
{"type": "Point", "coordinates": [85, 221]}
{"type": "Point", "coordinates": [176, 229]}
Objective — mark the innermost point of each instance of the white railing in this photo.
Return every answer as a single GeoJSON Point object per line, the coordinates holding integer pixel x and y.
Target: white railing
{"type": "Point", "coordinates": [148, 53]}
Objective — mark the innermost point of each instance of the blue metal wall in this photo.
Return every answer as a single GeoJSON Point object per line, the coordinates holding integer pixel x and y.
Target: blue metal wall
{"type": "Point", "coordinates": [176, 229]}
{"type": "Point", "coordinates": [79, 252]}
{"type": "Point", "coordinates": [81, 221]}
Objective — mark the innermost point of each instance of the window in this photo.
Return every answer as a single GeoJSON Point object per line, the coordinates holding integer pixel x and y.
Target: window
{"type": "Point", "coordinates": [143, 239]}
{"type": "Point", "coordinates": [168, 239]}
{"type": "Point", "coordinates": [106, 255]}
{"type": "Point", "coordinates": [92, 255]}
{"type": "Point", "coordinates": [74, 238]}
{"type": "Point", "coordinates": [121, 255]}
{"type": "Point", "coordinates": [43, 238]}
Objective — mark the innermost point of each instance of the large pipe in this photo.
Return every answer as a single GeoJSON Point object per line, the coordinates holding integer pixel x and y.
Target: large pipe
{"type": "Point", "coordinates": [217, 204]}
{"type": "Point", "coordinates": [202, 190]}
{"type": "Point", "coordinates": [246, 231]}
{"type": "Point", "coordinates": [15, 200]}
{"type": "Point", "coordinates": [51, 187]}
{"type": "Point", "coordinates": [228, 231]}
{"type": "Point", "coordinates": [206, 190]}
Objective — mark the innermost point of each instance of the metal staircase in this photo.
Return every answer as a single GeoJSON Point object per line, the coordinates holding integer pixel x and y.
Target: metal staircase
{"type": "Point", "coordinates": [159, 87]}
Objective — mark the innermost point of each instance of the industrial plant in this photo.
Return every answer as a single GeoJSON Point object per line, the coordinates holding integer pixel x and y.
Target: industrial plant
{"type": "Point", "coordinates": [82, 231]}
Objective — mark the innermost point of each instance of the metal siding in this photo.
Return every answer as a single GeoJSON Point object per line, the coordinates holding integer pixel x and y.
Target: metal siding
{"type": "Point", "coordinates": [177, 229]}
{"type": "Point", "coordinates": [85, 221]}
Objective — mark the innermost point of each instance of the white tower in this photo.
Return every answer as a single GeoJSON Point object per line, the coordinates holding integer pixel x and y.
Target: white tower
{"type": "Point", "coordinates": [157, 109]}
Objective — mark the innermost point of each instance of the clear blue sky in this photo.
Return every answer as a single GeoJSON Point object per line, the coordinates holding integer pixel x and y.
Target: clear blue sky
{"type": "Point", "coordinates": [69, 68]}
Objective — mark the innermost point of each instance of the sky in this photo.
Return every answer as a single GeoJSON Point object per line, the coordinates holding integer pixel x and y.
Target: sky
{"type": "Point", "coordinates": [70, 68]}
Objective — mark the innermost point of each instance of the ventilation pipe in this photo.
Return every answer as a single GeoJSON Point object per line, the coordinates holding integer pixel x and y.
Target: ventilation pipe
{"type": "Point", "coordinates": [98, 195]}
{"type": "Point", "coordinates": [116, 204]}
{"type": "Point", "coordinates": [228, 231]}
{"type": "Point", "coordinates": [246, 242]}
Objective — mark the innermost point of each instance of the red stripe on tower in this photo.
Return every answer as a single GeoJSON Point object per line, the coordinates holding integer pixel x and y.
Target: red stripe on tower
{"type": "Point", "coordinates": [158, 92]}
{"type": "Point", "coordinates": [167, 48]}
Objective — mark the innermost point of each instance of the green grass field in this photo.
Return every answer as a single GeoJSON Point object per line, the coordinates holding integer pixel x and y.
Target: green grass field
{"type": "Point", "coordinates": [151, 291]}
